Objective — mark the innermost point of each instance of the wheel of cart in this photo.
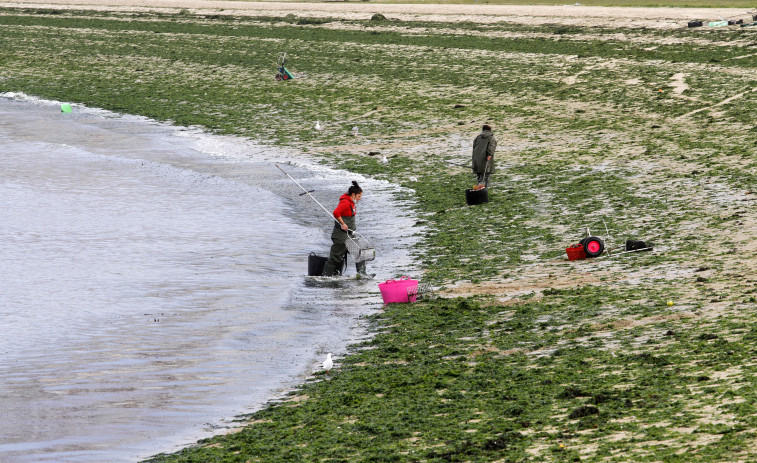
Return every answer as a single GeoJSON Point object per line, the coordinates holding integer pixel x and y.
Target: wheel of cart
{"type": "Point", "coordinates": [593, 246]}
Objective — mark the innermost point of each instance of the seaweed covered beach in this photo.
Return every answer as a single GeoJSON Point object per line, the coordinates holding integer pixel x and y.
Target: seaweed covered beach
{"type": "Point", "coordinates": [636, 127]}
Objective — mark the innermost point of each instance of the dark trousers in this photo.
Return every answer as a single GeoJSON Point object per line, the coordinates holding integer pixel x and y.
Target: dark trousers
{"type": "Point", "coordinates": [335, 264]}
{"type": "Point", "coordinates": [482, 178]}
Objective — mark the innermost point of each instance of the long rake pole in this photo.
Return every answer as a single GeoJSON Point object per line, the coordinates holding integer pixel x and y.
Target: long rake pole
{"type": "Point", "coordinates": [306, 192]}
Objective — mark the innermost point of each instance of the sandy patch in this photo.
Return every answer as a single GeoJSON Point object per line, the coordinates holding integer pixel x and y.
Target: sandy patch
{"type": "Point", "coordinates": [577, 15]}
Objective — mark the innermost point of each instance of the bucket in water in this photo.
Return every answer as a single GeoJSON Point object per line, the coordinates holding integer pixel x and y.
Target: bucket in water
{"type": "Point", "coordinates": [401, 290]}
{"type": "Point", "coordinates": [315, 264]}
{"type": "Point", "coordinates": [473, 197]}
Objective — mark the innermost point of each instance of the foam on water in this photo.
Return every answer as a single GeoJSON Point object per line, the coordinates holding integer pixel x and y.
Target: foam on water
{"type": "Point", "coordinates": [153, 280]}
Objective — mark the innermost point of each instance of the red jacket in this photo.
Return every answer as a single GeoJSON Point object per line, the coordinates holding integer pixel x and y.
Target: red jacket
{"type": "Point", "coordinates": [346, 207]}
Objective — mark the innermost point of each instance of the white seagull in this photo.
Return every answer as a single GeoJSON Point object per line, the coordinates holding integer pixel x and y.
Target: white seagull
{"type": "Point", "coordinates": [384, 160]}
{"type": "Point", "coordinates": [328, 364]}
{"type": "Point", "coordinates": [318, 125]}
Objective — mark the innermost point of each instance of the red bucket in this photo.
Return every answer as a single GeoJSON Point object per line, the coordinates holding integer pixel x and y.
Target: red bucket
{"type": "Point", "coordinates": [402, 290]}
{"type": "Point", "coordinates": [576, 252]}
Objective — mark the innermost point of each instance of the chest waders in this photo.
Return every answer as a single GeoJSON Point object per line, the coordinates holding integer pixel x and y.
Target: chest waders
{"type": "Point", "coordinates": [338, 253]}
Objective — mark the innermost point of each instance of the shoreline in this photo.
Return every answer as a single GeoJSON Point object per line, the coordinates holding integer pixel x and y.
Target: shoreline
{"type": "Point", "coordinates": [298, 334]}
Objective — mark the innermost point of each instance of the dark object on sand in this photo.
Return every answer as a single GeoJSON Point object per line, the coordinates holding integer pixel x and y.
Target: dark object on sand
{"type": "Point", "coordinates": [695, 23]}
{"type": "Point", "coordinates": [582, 411]}
{"type": "Point", "coordinates": [637, 245]}
{"type": "Point", "coordinates": [473, 197]}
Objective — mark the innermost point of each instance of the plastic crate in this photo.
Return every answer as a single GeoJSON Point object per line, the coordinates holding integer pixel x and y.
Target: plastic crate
{"type": "Point", "coordinates": [576, 252]}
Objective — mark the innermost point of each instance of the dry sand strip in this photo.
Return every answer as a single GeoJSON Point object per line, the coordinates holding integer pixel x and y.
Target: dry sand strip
{"type": "Point", "coordinates": [530, 14]}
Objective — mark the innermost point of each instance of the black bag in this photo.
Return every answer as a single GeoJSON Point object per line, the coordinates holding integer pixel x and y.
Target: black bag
{"type": "Point", "coordinates": [473, 197]}
{"type": "Point", "coordinates": [635, 245]}
{"type": "Point", "coordinates": [315, 264]}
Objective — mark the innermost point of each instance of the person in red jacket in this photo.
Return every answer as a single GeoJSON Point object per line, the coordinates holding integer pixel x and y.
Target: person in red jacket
{"type": "Point", "coordinates": [345, 223]}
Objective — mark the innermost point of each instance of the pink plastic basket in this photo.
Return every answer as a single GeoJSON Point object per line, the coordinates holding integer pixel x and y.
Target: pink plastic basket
{"type": "Point", "coordinates": [402, 290]}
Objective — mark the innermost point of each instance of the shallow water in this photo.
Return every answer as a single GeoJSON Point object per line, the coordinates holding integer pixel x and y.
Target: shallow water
{"type": "Point", "coordinates": [153, 280]}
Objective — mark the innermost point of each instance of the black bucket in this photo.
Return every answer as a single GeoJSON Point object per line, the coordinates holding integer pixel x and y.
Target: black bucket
{"type": "Point", "coordinates": [473, 197]}
{"type": "Point", "coordinates": [315, 265]}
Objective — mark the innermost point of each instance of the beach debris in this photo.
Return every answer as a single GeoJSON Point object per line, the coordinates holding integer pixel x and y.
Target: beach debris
{"type": "Point", "coordinates": [384, 160]}
{"type": "Point", "coordinates": [328, 364]}
{"type": "Point", "coordinates": [413, 179]}
{"type": "Point", "coordinates": [66, 108]}
{"type": "Point", "coordinates": [717, 23]}
{"type": "Point", "coordinates": [355, 130]}
{"type": "Point", "coordinates": [318, 125]}
{"type": "Point", "coordinates": [695, 23]}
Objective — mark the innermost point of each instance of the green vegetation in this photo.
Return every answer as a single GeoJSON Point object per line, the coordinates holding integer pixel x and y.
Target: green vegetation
{"type": "Point", "coordinates": [647, 131]}
{"type": "Point", "coordinates": [463, 381]}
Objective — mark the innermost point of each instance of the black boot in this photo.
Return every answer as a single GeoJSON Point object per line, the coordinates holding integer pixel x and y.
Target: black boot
{"type": "Point", "coordinates": [361, 271]}
{"type": "Point", "coordinates": [329, 270]}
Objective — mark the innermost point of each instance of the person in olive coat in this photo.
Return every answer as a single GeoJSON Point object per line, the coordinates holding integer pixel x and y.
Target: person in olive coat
{"type": "Point", "coordinates": [483, 155]}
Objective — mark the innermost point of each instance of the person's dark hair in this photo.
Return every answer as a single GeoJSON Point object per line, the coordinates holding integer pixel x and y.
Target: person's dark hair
{"type": "Point", "coordinates": [354, 189]}
{"type": "Point", "coordinates": [487, 127]}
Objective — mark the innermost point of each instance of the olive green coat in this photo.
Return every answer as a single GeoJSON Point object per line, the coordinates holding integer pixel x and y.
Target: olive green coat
{"type": "Point", "coordinates": [483, 146]}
